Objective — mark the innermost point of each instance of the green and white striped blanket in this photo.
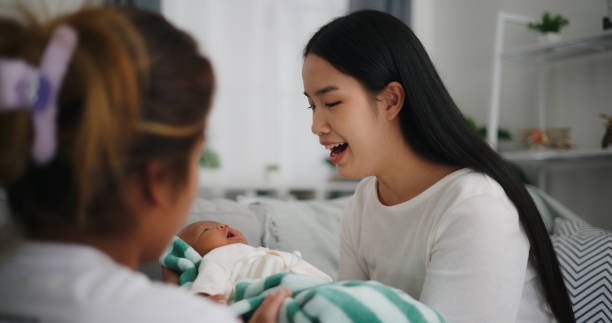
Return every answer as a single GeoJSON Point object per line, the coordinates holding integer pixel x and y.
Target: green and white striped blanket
{"type": "Point", "coordinates": [183, 259]}
{"type": "Point", "coordinates": [313, 300]}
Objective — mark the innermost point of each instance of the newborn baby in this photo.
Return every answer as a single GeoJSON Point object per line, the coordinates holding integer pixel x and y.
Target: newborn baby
{"type": "Point", "coordinates": [227, 258]}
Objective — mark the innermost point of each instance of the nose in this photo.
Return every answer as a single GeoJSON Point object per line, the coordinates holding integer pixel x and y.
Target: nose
{"type": "Point", "coordinates": [320, 125]}
{"type": "Point", "coordinates": [222, 226]}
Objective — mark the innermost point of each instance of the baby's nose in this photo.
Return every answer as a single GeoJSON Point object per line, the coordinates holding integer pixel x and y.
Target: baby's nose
{"type": "Point", "coordinates": [222, 226]}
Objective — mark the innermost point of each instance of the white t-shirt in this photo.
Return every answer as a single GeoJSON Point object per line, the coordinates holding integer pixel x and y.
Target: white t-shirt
{"type": "Point", "coordinates": [457, 247]}
{"type": "Point", "coordinates": [223, 267]}
{"type": "Point", "coordinates": [56, 282]}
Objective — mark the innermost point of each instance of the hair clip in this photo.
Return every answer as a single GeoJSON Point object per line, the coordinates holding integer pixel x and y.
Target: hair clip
{"type": "Point", "coordinates": [23, 86]}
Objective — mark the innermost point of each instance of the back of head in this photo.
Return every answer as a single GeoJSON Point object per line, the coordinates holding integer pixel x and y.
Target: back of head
{"type": "Point", "coordinates": [376, 48]}
{"type": "Point", "coordinates": [135, 90]}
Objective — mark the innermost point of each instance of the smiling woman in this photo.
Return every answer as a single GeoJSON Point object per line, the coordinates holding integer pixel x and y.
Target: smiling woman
{"type": "Point", "coordinates": [438, 213]}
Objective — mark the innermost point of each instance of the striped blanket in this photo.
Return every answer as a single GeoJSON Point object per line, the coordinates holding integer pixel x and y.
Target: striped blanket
{"type": "Point", "coordinates": [313, 300]}
{"type": "Point", "coordinates": [183, 259]}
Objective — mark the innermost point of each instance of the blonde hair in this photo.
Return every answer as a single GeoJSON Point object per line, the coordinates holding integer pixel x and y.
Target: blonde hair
{"type": "Point", "coordinates": [136, 90]}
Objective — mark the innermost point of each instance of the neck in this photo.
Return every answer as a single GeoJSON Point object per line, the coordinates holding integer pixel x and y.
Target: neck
{"type": "Point", "coordinates": [407, 175]}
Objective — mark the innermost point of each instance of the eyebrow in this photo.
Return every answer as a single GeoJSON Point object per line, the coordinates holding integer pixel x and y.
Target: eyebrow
{"type": "Point", "coordinates": [322, 91]}
{"type": "Point", "coordinates": [206, 227]}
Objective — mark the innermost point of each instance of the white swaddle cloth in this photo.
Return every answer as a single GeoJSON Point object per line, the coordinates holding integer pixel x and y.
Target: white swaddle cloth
{"type": "Point", "coordinates": [223, 267]}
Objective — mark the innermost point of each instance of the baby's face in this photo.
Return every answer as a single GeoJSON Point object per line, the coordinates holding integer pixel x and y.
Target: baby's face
{"type": "Point", "coordinates": [205, 236]}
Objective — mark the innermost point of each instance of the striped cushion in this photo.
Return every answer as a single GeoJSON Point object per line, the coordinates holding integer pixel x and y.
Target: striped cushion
{"type": "Point", "coordinates": [585, 255]}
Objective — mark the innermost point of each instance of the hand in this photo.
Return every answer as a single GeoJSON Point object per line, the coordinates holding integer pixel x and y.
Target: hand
{"type": "Point", "coordinates": [218, 298]}
{"type": "Point", "coordinates": [267, 312]}
{"type": "Point", "coordinates": [169, 276]}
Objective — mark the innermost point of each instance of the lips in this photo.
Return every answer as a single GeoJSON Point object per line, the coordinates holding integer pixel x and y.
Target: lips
{"type": "Point", "coordinates": [336, 149]}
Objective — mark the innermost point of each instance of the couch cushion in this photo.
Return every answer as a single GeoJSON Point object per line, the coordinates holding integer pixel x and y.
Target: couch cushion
{"type": "Point", "coordinates": [311, 227]}
{"type": "Point", "coordinates": [585, 256]}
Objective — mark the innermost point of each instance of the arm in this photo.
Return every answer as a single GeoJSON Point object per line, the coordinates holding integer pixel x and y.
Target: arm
{"type": "Point", "coordinates": [351, 265]}
{"type": "Point", "coordinates": [477, 263]}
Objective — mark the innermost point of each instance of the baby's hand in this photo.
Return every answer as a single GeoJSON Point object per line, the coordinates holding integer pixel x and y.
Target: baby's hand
{"type": "Point", "coordinates": [169, 276]}
{"type": "Point", "coordinates": [218, 298]}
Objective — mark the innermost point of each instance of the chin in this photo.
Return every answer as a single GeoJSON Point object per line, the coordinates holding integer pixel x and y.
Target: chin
{"type": "Point", "coordinates": [348, 173]}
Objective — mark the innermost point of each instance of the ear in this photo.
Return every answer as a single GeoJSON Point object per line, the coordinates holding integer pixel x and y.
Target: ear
{"type": "Point", "coordinates": [154, 187]}
{"type": "Point", "coordinates": [392, 97]}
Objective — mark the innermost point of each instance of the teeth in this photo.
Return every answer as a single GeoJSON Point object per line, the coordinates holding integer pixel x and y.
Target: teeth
{"type": "Point", "coordinates": [332, 146]}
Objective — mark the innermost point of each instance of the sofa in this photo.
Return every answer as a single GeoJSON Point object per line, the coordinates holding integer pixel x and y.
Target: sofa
{"type": "Point", "coordinates": [312, 227]}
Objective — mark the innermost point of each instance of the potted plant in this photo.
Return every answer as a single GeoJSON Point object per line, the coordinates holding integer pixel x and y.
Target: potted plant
{"type": "Point", "coordinates": [549, 27]}
{"type": "Point", "coordinates": [209, 159]}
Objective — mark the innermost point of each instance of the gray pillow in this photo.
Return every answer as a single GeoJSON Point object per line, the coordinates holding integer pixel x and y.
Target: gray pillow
{"type": "Point", "coordinates": [310, 227]}
{"type": "Point", "coordinates": [236, 215]}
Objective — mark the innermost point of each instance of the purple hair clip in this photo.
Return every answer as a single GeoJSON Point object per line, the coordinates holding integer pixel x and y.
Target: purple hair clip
{"type": "Point", "coordinates": [23, 86]}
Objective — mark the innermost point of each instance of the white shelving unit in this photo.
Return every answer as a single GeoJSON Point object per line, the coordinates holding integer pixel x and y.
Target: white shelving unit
{"type": "Point", "coordinates": [212, 186]}
{"type": "Point", "coordinates": [543, 57]}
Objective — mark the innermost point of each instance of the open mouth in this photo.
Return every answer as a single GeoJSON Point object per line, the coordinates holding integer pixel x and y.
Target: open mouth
{"type": "Point", "coordinates": [230, 234]}
{"type": "Point", "coordinates": [337, 149]}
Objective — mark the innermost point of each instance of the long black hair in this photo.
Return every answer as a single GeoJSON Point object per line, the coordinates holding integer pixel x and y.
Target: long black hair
{"type": "Point", "coordinates": [376, 48]}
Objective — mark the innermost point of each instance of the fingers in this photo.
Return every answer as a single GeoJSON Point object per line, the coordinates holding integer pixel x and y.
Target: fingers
{"type": "Point", "coordinates": [219, 298]}
{"type": "Point", "coordinates": [269, 308]}
{"type": "Point", "coordinates": [169, 276]}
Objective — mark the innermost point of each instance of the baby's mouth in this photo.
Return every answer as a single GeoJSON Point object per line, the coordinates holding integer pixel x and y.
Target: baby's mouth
{"type": "Point", "coordinates": [230, 234]}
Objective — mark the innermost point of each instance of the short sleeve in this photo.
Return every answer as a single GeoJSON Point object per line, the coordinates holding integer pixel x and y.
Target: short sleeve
{"type": "Point", "coordinates": [477, 263]}
{"type": "Point", "coordinates": [212, 279]}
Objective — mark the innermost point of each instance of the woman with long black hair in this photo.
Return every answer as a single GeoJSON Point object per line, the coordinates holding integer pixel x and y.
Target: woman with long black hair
{"type": "Point", "coordinates": [438, 213]}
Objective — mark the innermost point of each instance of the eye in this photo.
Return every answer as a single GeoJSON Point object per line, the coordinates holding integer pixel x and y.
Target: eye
{"type": "Point", "coordinates": [332, 104]}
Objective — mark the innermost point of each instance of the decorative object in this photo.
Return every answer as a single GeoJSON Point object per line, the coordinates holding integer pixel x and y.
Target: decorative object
{"type": "Point", "coordinates": [559, 138]}
{"type": "Point", "coordinates": [543, 139]}
{"type": "Point", "coordinates": [607, 138]}
{"type": "Point", "coordinates": [536, 139]}
{"type": "Point", "coordinates": [549, 27]}
{"type": "Point", "coordinates": [209, 159]}
{"type": "Point", "coordinates": [273, 173]}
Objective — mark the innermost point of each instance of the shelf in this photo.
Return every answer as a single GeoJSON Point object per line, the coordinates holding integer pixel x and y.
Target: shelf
{"type": "Point", "coordinates": [212, 185]}
{"type": "Point", "coordinates": [550, 155]}
{"type": "Point", "coordinates": [563, 49]}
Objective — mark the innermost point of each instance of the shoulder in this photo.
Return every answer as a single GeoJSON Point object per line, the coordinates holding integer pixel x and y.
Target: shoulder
{"type": "Point", "coordinates": [87, 286]}
{"type": "Point", "coordinates": [124, 295]}
{"type": "Point", "coordinates": [474, 201]}
{"type": "Point", "coordinates": [466, 187]}
{"type": "Point", "coordinates": [161, 302]}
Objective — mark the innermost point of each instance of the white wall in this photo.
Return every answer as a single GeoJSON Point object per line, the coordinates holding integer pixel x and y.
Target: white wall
{"type": "Point", "coordinates": [259, 114]}
{"type": "Point", "coordinates": [459, 35]}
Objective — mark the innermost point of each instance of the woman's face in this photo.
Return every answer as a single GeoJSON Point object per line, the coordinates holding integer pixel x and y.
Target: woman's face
{"type": "Point", "coordinates": [345, 117]}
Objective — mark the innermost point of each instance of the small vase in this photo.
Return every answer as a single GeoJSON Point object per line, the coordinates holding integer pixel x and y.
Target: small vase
{"type": "Point", "coordinates": [549, 38]}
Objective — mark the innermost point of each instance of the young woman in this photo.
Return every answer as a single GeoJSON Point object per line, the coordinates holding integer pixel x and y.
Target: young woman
{"type": "Point", "coordinates": [438, 213]}
{"type": "Point", "coordinates": [102, 117]}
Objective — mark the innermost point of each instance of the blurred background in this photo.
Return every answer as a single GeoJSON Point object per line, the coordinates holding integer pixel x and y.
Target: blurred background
{"type": "Point", "coordinates": [545, 102]}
